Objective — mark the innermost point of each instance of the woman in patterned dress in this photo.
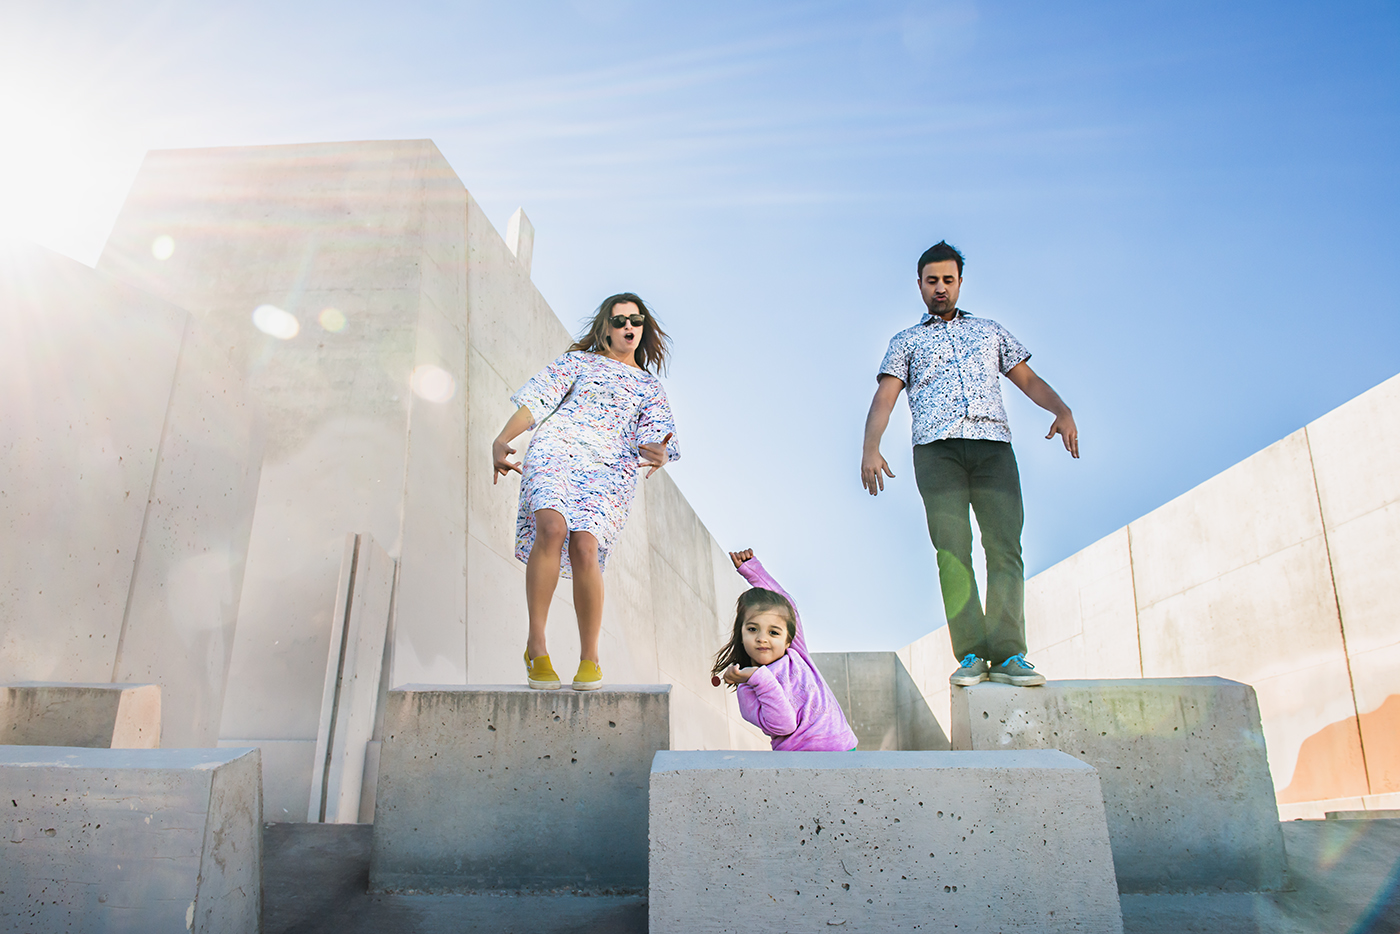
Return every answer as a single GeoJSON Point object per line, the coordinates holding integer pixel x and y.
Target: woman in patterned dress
{"type": "Point", "coordinates": [602, 416]}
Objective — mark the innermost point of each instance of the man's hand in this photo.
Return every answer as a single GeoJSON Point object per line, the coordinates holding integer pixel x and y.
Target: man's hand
{"type": "Point", "coordinates": [736, 675]}
{"type": "Point", "coordinates": [873, 468]}
{"type": "Point", "coordinates": [1069, 433]}
{"type": "Point", "coordinates": [1039, 392]}
{"type": "Point", "coordinates": [739, 557]}
{"type": "Point", "coordinates": [500, 452]}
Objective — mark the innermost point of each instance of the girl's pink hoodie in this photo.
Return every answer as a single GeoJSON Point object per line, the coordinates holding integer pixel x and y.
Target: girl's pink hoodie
{"type": "Point", "coordinates": [788, 700]}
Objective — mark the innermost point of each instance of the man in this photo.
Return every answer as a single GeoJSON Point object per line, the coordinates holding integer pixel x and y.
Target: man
{"type": "Point", "coordinates": [962, 457]}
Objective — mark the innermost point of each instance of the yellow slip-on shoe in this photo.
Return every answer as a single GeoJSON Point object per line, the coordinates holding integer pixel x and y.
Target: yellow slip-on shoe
{"type": "Point", "coordinates": [540, 673]}
{"type": "Point", "coordinates": [589, 677]}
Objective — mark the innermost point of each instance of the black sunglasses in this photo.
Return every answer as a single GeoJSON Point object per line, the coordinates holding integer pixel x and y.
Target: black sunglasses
{"type": "Point", "coordinates": [636, 321]}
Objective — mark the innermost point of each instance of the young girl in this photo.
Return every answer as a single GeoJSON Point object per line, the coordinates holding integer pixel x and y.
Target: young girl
{"type": "Point", "coordinates": [779, 688]}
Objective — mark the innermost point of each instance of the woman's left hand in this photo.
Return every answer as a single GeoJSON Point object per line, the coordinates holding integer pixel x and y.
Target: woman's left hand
{"type": "Point", "coordinates": [654, 455]}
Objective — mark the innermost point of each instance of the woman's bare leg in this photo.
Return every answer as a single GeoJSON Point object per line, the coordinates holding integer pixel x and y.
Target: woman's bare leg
{"type": "Point", "coordinates": [588, 592]}
{"type": "Point", "coordinates": [542, 575]}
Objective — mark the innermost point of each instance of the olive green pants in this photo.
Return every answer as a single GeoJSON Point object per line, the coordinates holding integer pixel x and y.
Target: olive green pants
{"type": "Point", "coordinates": [953, 475]}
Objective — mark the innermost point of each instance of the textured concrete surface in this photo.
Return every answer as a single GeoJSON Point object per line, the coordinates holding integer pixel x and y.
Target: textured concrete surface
{"type": "Point", "coordinates": [1277, 573]}
{"type": "Point", "coordinates": [317, 878]}
{"type": "Point", "coordinates": [1185, 777]}
{"type": "Point", "coordinates": [879, 841]}
{"type": "Point", "coordinates": [881, 702]}
{"type": "Point", "coordinates": [500, 789]}
{"type": "Point", "coordinates": [354, 684]}
{"type": "Point", "coordinates": [131, 840]}
{"type": "Point", "coordinates": [114, 716]}
{"type": "Point", "coordinates": [134, 447]}
{"type": "Point", "coordinates": [1341, 880]}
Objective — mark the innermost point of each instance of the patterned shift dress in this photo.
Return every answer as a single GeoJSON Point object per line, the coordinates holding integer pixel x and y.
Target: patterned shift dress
{"type": "Point", "coordinates": [592, 412]}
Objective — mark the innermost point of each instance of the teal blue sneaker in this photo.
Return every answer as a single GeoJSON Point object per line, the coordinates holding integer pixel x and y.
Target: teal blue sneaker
{"type": "Point", "coordinates": [973, 671]}
{"type": "Point", "coordinates": [1016, 670]}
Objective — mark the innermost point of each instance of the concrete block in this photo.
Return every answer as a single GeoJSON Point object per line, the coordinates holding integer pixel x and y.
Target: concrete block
{"type": "Point", "coordinates": [1185, 778]}
{"type": "Point", "coordinates": [878, 841]}
{"type": "Point", "coordinates": [131, 840]}
{"type": "Point", "coordinates": [115, 716]}
{"type": "Point", "coordinates": [351, 690]}
{"type": "Point", "coordinates": [500, 788]}
{"type": "Point", "coordinates": [883, 705]}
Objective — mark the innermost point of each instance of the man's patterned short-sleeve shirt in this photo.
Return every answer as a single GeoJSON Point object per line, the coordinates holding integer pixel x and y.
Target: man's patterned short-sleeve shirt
{"type": "Point", "coordinates": [951, 370]}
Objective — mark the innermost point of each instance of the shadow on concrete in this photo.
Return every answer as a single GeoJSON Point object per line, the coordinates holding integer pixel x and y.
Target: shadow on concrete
{"type": "Point", "coordinates": [316, 879]}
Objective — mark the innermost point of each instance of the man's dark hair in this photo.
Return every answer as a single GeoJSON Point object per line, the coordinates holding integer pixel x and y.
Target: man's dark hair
{"type": "Point", "coordinates": [941, 251]}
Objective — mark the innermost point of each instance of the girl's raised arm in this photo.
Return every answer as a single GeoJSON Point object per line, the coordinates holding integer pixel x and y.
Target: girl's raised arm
{"type": "Point", "coordinates": [757, 575]}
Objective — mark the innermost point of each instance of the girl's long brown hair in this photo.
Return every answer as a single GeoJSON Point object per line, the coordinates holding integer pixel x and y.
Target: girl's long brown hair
{"type": "Point", "coordinates": [652, 349]}
{"type": "Point", "coordinates": [751, 601]}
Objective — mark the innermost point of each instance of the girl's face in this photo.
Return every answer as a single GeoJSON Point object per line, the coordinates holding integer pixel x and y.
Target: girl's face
{"type": "Point", "coordinates": [766, 636]}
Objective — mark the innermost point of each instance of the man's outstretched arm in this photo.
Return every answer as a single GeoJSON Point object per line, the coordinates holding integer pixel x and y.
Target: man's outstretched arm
{"type": "Point", "coordinates": [873, 468]}
{"type": "Point", "coordinates": [1039, 392]}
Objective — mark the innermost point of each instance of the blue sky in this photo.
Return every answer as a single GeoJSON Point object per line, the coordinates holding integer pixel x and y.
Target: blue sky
{"type": "Point", "coordinates": [1187, 211]}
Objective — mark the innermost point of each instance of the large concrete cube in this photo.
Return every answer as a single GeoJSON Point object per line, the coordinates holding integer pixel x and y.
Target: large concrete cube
{"type": "Point", "coordinates": [878, 841]}
{"type": "Point", "coordinates": [1185, 775]}
{"type": "Point", "coordinates": [501, 788]}
{"type": "Point", "coordinates": [116, 716]}
{"type": "Point", "coordinates": [140, 840]}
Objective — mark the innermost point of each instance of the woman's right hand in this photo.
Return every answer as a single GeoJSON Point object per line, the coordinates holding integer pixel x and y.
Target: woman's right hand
{"type": "Point", "coordinates": [736, 675]}
{"type": "Point", "coordinates": [739, 557]}
{"type": "Point", "coordinates": [500, 452]}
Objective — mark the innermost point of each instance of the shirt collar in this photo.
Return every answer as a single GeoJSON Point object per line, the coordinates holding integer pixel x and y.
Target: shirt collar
{"type": "Point", "coordinates": [929, 316]}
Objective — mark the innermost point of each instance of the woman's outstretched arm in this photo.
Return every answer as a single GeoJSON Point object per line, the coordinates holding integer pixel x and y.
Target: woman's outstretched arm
{"type": "Point", "coordinates": [501, 449]}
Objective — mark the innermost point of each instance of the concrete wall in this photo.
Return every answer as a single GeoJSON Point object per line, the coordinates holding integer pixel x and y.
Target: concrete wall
{"type": "Point", "coordinates": [391, 272]}
{"type": "Point", "coordinates": [1181, 760]}
{"type": "Point", "coordinates": [131, 460]}
{"type": "Point", "coordinates": [131, 840]}
{"type": "Point", "coordinates": [882, 704]}
{"type": "Point", "coordinates": [505, 789]}
{"type": "Point", "coordinates": [879, 841]}
{"type": "Point", "coordinates": [112, 716]}
{"type": "Point", "coordinates": [1279, 573]}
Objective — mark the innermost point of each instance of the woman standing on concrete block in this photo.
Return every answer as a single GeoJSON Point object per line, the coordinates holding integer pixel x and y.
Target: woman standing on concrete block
{"type": "Point", "coordinates": [602, 416]}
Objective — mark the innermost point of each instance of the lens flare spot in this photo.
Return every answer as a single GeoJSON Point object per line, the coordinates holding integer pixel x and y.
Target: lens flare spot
{"type": "Point", "coordinates": [163, 247]}
{"type": "Point", "coordinates": [332, 319]}
{"type": "Point", "coordinates": [274, 321]}
{"type": "Point", "coordinates": [433, 383]}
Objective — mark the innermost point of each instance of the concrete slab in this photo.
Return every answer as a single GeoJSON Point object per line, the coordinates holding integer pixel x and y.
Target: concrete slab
{"type": "Point", "coordinates": [46, 713]}
{"type": "Point", "coordinates": [881, 702]}
{"type": "Point", "coordinates": [139, 840]}
{"type": "Point", "coordinates": [352, 683]}
{"type": "Point", "coordinates": [879, 841]}
{"type": "Point", "coordinates": [1182, 760]}
{"type": "Point", "coordinates": [492, 788]}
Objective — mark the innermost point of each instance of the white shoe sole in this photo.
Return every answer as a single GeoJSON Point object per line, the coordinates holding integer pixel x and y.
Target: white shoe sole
{"type": "Point", "coordinates": [966, 681]}
{"type": "Point", "coordinates": [586, 685]}
{"type": "Point", "coordinates": [1023, 682]}
{"type": "Point", "coordinates": [544, 685]}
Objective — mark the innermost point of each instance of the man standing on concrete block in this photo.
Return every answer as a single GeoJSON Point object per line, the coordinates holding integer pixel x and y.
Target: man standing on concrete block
{"type": "Point", "coordinates": [962, 457]}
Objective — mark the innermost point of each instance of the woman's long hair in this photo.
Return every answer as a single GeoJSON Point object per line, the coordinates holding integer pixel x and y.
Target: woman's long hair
{"type": "Point", "coordinates": [652, 349]}
{"type": "Point", "coordinates": [754, 600]}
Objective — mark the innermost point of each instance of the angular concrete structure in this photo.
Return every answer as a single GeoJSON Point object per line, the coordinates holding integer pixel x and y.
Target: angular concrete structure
{"type": "Point", "coordinates": [1277, 573]}
{"type": "Point", "coordinates": [132, 451]}
{"type": "Point", "coordinates": [882, 704]}
{"type": "Point", "coordinates": [504, 789]}
{"type": "Point", "coordinates": [104, 716]}
{"type": "Point", "coordinates": [1182, 762]}
{"type": "Point", "coordinates": [382, 323]}
{"type": "Point", "coordinates": [135, 841]}
{"type": "Point", "coordinates": [879, 842]}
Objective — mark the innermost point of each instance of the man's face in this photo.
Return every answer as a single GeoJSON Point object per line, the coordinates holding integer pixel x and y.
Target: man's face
{"type": "Point", "coordinates": [938, 284]}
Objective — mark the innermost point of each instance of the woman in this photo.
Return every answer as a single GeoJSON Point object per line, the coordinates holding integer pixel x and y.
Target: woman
{"type": "Point", "coordinates": [599, 409]}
